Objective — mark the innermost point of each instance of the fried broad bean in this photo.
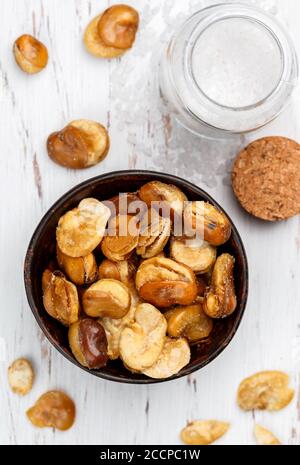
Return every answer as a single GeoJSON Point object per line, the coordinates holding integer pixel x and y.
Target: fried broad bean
{"type": "Point", "coordinates": [81, 230]}
{"type": "Point", "coordinates": [203, 432]}
{"type": "Point", "coordinates": [202, 282]}
{"type": "Point", "coordinates": [123, 271]}
{"type": "Point", "coordinates": [30, 54]}
{"type": "Point", "coordinates": [60, 297]}
{"type": "Point", "coordinates": [95, 45]}
{"type": "Point", "coordinates": [207, 222]}
{"type": "Point", "coordinates": [53, 409]}
{"type": "Point", "coordinates": [154, 234]}
{"type": "Point", "coordinates": [97, 139]}
{"type": "Point", "coordinates": [142, 341]}
{"type": "Point", "coordinates": [198, 255]}
{"type": "Point", "coordinates": [190, 322]}
{"type": "Point", "coordinates": [113, 329]}
{"type": "Point", "coordinates": [122, 238]}
{"type": "Point", "coordinates": [264, 437]}
{"type": "Point", "coordinates": [81, 144]}
{"type": "Point", "coordinates": [164, 282]}
{"type": "Point", "coordinates": [168, 198]}
{"type": "Point", "coordinates": [220, 299]}
{"type": "Point", "coordinates": [107, 297]}
{"type": "Point", "coordinates": [80, 270]}
{"type": "Point", "coordinates": [88, 343]}
{"type": "Point", "coordinates": [174, 356]}
{"type": "Point", "coordinates": [21, 376]}
{"type": "Point", "coordinates": [118, 25]}
{"type": "Point", "coordinates": [266, 390]}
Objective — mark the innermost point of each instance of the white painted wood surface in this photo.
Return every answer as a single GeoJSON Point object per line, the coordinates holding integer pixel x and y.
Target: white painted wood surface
{"type": "Point", "coordinates": [122, 94]}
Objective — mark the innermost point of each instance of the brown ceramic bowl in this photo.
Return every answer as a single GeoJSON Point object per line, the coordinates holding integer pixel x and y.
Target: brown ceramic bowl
{"type": "Point", "coordinates": [42, 248]}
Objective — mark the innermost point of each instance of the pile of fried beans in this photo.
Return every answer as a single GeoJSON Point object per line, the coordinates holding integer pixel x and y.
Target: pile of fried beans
{"type": "Point", "coordinates": [128, 286]}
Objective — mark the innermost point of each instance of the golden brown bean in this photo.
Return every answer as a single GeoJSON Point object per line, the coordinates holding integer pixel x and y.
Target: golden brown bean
{"type": "Point", "coordinates": [264, 437]}
{"type": "Point", "coordinates": [267, 390]}
{"type": "Point", "coordinates": [118, 25]}
{"type": "Point", "coordinates": [122, 238]}
{"type": "Point", "coordinates": [96, 137]}
{"type": "Point", "coordinates": [88, 343]}
{"type": "Point", "coordinates": [207, 222]}
{"type": "Point", "coordinates": [154, 234]}
{"type": "Point", "coordinates": [174, 356]}
{"type": "Point", "coordinates": [190, 322]}
{"type": "Point", "coordinates": [142, 342]}
{"type": "Point", "coordinates": [21, 376]}
{"type": "Point", "coordinates": [127, 203]}
{"type": "Point", "coordinates": [123, 271]}
{"type": "Point", "coordinates": [198, 255]}
{"type": "Point", "coordinates": [81, 144]}
{"type": "Point", "coordinates": [60, 297]}
{"type": "Point", "coordinates": [53, 409]}
{"type": "Point", "coordinates": [80, 270]}
{"type": "Point", "coordinates": [220, 299]}
{"type": "Point", "coordinates": [95, 45]}
{"type": "Point", "coordinates": [107, 297]}
{"type": "Point", "coordinates": [31, 55]}
{"type": "Point", "coordinates": [113, 329]}
{"type": "Point", "coordinates": [81, 230]}
{"type": "Point", "coordinates": [168, 198]}
{"type": "Point", "coordinates": [164, 282]}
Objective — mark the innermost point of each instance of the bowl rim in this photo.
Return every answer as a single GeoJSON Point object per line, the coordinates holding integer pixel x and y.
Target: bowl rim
{"type": "Point", "coordinates": [167, 177]}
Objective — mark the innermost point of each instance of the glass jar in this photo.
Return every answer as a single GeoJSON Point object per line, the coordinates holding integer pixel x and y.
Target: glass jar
{"type": "Point", "coordinates": [230, 69]}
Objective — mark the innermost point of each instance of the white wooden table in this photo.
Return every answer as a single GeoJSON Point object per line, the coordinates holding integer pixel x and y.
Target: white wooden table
{"type": "Point", "coordinates": [122, 94]}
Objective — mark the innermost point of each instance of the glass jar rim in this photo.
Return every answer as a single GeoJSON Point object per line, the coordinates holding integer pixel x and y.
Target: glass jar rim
{"type": "Point", "coordinates": [192, 78]}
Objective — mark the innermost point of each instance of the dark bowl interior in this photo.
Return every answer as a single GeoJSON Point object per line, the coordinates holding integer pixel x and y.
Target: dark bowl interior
{"type": "Point", "coordinates": [42, 248]}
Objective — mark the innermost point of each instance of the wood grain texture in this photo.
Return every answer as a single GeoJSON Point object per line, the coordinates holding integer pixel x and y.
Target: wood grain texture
{"type": "Point", "coordinates": [122, 94]}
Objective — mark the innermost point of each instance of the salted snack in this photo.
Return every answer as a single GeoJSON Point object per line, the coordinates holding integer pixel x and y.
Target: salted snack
{"type": "Point", "coordinates": [190, 322]}
{"type": "Point", "coordinates": [113, 330]}
{"type": "Point", "coordinates": [81, 230]}
{"type": "Point", "coordinates": [122, 271]}
{"type": "Point", "coordinates": [121, 239]}
{"type": "Point", "coordinates": [175, 355]}
{"type": "Point", "coordinates": [202, 281]}
{"type": "Point", "coordinates": [168, 198]}
{"type": "Point", "coordinates": [195, 253]}
{"type": "Point", "coordinates": [88, 343]}
{"type": "Point", "coordinates": [30, 54]}
{"type": "Point", "coordinates": [266, 390]}
{"type": "Point", "coordinates": [128, 287]}
{"type": "Point", "coordinates": [54, 409]}
{"type": "Point", "coordinates": [21, 376]}
{"type": "Point", "coordinates": [206, 222]}
{"type": "Point", "coordinates": [107, 297]}
{"type": "Point", "coordinates": [113, 32]}
{"type": "Point", "coordinates": [81, 144]}
{"type": "Point", "coordinates": [220, 299]}
{"type": "Point", "coordinates": [164, 282]}
{"type": "Point", "coordinates": [80, 270]}
{"type": "Point", "coordinates": [60, 297]}
{"type": "Point", "coordinates": [264, 437]}
{"type": "Point", "coordinates": [154, 234]}
{"type": "Point", "coordinates": [203, 432]}
{"type": "Point", "coordinates": [142, 342]}
{"type": "Point", "coordinates": [266, 178]}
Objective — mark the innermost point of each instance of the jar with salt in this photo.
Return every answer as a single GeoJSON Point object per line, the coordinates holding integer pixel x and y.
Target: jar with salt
{"type": "Point", "coordinates": [230, 69]}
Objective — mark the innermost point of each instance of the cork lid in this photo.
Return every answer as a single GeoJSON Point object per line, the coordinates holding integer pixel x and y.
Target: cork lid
{"type": "Point", "coordinates": [266, 178]}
